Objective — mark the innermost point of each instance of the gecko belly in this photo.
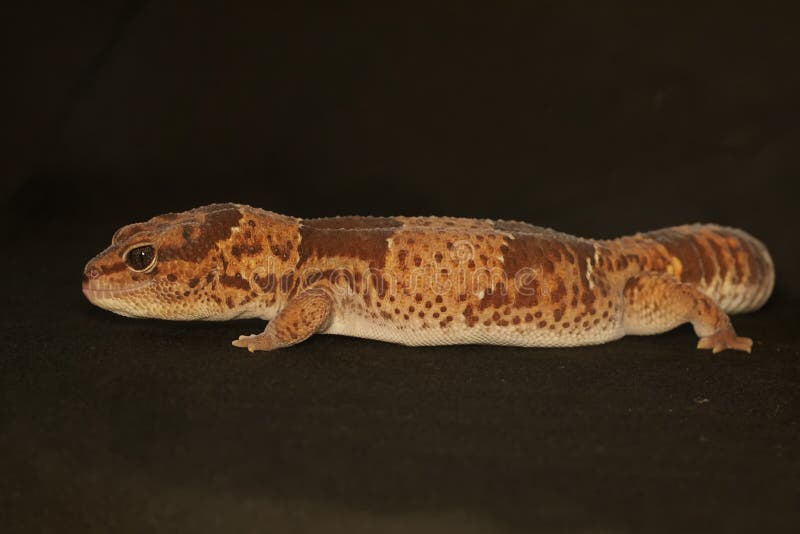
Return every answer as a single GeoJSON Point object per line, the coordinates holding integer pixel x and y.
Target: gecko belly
{"type": "Point", "coordinates": [461, 334]}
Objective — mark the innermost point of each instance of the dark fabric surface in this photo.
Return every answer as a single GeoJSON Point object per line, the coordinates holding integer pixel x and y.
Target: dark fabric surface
{"type": "Point", "coordinates": [597, 121]}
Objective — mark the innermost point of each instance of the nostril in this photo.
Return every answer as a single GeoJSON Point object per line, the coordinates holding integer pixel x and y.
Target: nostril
{"type": "Point", "coordinates": [91, 273]}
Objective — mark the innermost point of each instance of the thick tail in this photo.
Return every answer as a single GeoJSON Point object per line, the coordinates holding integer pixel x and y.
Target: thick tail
{"type": "Point", "coordinates": [729, 265]}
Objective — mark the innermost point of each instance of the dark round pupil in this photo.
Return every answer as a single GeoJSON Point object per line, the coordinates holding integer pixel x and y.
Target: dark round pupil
{"type": "Point", "coordinates": [140, 258]}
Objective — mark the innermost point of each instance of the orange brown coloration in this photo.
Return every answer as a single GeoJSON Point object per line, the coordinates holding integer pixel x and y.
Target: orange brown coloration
{"type": "Point", "coordinates": [430, 280]}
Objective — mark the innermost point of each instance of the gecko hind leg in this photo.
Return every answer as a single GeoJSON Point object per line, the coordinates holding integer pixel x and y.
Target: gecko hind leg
{"type": "Point", "coordinates": [304, 315]}
{"type": "Point", "coordinates": [656, 303]}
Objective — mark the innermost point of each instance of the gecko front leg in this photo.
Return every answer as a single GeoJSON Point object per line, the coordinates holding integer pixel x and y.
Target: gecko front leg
{"type": "Point", "coordinates": [304, 315]}
{"type": "Point", "coordinates": [655, 303]}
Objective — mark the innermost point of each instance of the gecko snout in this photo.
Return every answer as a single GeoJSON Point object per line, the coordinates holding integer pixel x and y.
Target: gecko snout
{"type": "Point", "coordinates": [90, 273]}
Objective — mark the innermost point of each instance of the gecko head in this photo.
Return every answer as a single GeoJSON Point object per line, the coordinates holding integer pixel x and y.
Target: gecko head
{"type": "Point", "coordinates": [166, 268]}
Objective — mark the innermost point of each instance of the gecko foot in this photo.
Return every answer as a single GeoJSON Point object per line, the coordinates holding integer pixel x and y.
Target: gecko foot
{"type": "Point", "coordinates": [725, 339]}
{"type": "Point", "coordinates": [255, 342]}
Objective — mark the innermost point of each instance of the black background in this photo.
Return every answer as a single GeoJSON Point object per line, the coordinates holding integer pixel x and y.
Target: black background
{"type": "Point", "coordinates": [597, 119]}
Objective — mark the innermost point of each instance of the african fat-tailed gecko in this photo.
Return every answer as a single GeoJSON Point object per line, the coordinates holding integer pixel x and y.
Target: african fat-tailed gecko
{"type": "Point", "coordinates": [429, 280]}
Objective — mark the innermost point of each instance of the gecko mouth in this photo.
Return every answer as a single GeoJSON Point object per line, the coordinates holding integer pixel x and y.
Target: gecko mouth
{"type": "Point", "coordinates": [101, 293]}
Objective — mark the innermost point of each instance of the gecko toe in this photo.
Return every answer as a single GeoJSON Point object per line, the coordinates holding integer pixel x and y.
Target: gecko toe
{"type": "Point", "coordinates": [255, 342]}
{"type": "Point", "coordinates": [705, 343]}
{"type": "Point", "coordinates": [244, 341]}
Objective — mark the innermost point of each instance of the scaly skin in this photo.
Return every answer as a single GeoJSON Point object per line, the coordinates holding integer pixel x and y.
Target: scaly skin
{"type": "Point", "coordinates": [429, 280]}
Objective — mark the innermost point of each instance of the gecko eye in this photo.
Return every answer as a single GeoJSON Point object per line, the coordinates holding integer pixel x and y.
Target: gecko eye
{"type": "Point", "coordinates": [140, 258]}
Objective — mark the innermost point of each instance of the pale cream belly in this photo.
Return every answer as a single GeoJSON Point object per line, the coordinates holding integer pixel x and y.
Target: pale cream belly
{"type": "Point", "coordinates": [458, 333]}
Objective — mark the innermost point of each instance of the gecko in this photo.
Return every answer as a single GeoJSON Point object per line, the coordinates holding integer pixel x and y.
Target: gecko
{"type": "Point", "coordinates": [429, 280]}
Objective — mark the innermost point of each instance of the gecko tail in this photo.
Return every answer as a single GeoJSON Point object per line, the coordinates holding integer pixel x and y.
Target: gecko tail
{"type": "Point", "coordinates": [727, 264]}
